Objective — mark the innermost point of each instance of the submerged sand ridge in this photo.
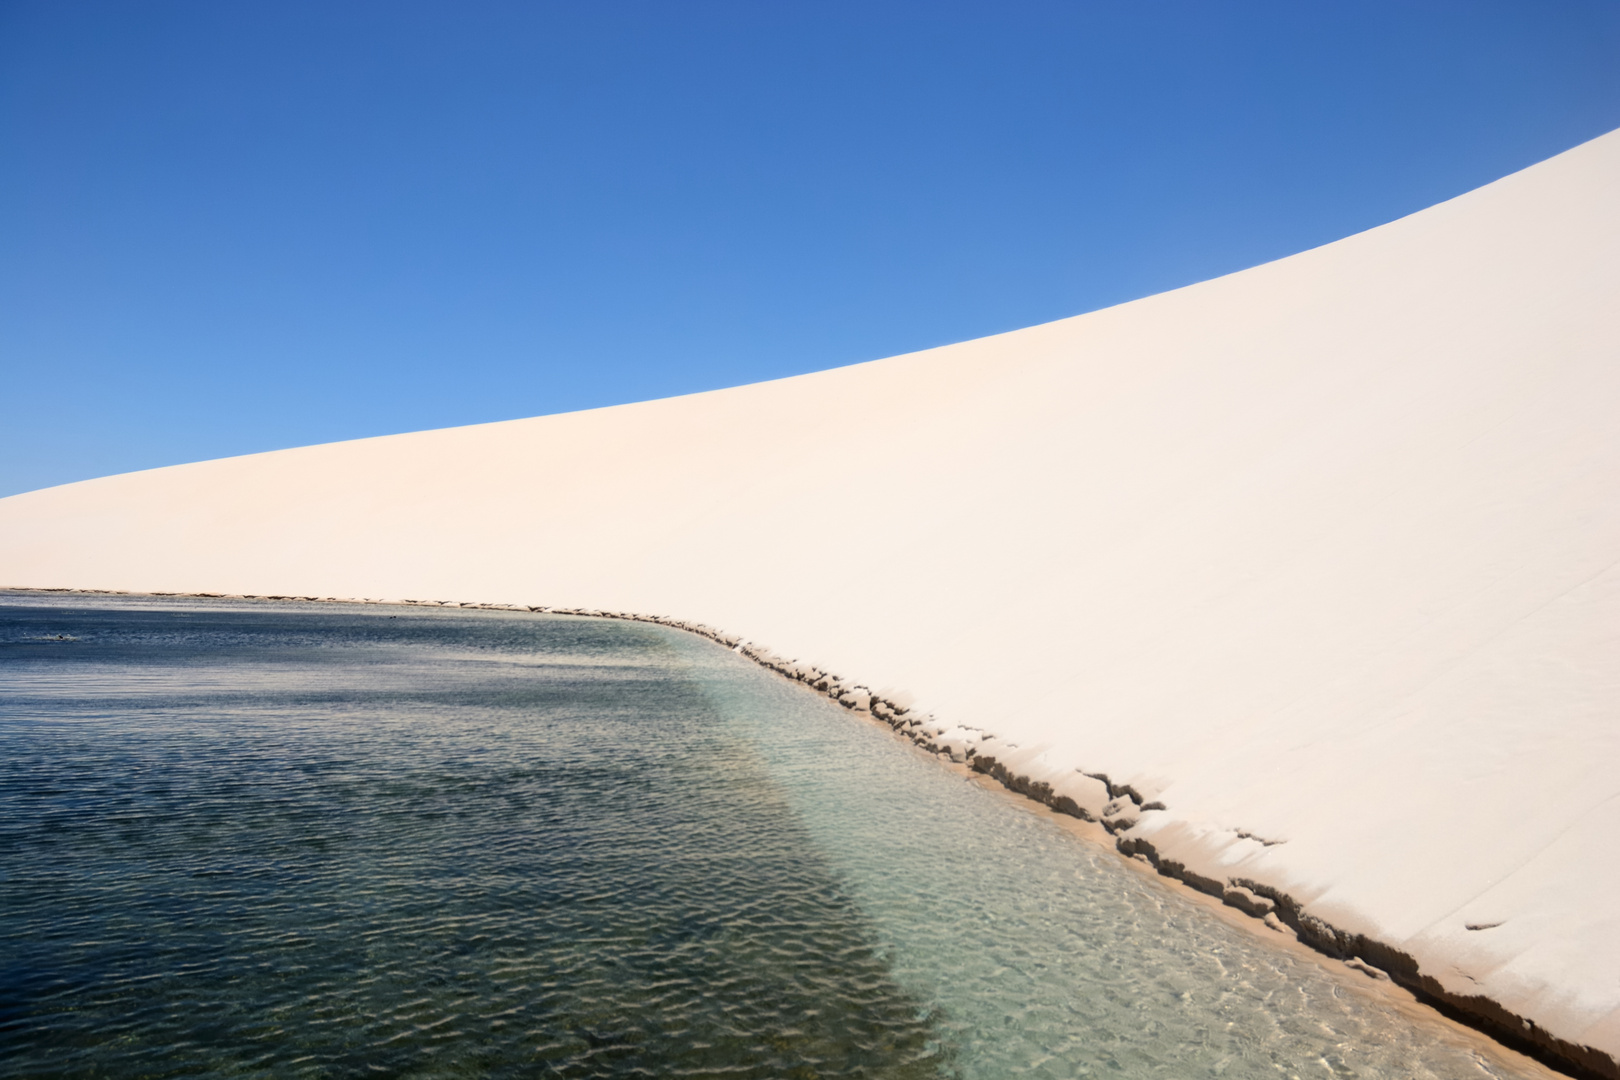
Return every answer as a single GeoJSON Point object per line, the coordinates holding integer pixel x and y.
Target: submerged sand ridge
{"type": "Point", "coordinates": [1318, 564]}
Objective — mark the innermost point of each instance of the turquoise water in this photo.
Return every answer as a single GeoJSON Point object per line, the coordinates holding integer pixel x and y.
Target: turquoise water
{"type": "Point", "coordinates": [284, 840]}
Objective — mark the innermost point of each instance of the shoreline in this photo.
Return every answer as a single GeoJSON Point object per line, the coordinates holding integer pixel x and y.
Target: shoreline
{"type": "Point", "coordinates": [1093, 798]}
{"type": "Point", "coordinates": [1385, 990]}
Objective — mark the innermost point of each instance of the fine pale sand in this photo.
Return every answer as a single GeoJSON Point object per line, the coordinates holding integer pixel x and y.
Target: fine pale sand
{"type": "Point", "coordinates": [1322, 558]}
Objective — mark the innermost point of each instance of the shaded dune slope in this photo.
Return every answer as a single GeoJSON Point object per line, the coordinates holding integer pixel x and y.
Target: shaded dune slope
{"type": "Point", "coordinates": [1322, 557]}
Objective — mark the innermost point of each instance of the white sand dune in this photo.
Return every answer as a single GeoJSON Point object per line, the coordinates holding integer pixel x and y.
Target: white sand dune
{"type": "Point", "coordinates": [1326, 552]}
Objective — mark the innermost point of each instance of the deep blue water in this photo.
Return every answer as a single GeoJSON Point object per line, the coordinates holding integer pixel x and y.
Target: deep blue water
{"type": "Point", "coordinates": [312, 840]}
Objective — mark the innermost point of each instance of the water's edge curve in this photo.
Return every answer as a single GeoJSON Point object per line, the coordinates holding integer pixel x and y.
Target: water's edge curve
{"type": "Point", "coordinates": [1092, 797]}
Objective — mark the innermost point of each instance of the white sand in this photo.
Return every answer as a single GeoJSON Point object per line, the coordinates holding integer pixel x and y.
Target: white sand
{"type": "Point", "coordinates": [1324, 551]}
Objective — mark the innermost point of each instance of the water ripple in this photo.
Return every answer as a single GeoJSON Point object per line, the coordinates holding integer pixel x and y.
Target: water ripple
{"type": "Point", "coordinates": [250, 840]}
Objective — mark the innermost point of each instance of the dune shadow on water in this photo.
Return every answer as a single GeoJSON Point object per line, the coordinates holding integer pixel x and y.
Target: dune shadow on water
{"type": "Point", "coordinates": [335, 843]}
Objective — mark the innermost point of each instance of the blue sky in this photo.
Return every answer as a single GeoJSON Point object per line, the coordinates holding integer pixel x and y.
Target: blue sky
{"type": "Point", "coordinates": [231, 227]}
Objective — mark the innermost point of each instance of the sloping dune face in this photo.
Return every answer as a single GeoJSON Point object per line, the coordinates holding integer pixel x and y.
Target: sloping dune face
{"type": "Point", "coordinates": [1322, 557]}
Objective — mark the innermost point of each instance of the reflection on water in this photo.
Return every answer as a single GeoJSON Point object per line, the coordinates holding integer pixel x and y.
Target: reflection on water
{"type": "Point", "coordinates": [311, 840]}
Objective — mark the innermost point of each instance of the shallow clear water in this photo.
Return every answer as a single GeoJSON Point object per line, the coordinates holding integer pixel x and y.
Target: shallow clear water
{"type": "Point", "coordinates": [261, 840]}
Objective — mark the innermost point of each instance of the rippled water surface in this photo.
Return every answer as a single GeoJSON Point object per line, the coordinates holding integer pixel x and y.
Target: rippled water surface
{"type": "Point", "coordinates": [282, 840]}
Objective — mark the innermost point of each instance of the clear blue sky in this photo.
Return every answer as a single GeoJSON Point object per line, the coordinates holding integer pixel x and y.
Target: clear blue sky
{"type": "Point", "coordinates": [228, 227]}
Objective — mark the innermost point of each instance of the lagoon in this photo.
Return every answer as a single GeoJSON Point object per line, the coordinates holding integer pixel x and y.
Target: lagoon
{"type": "Point", "coordinates": [274, 839]}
